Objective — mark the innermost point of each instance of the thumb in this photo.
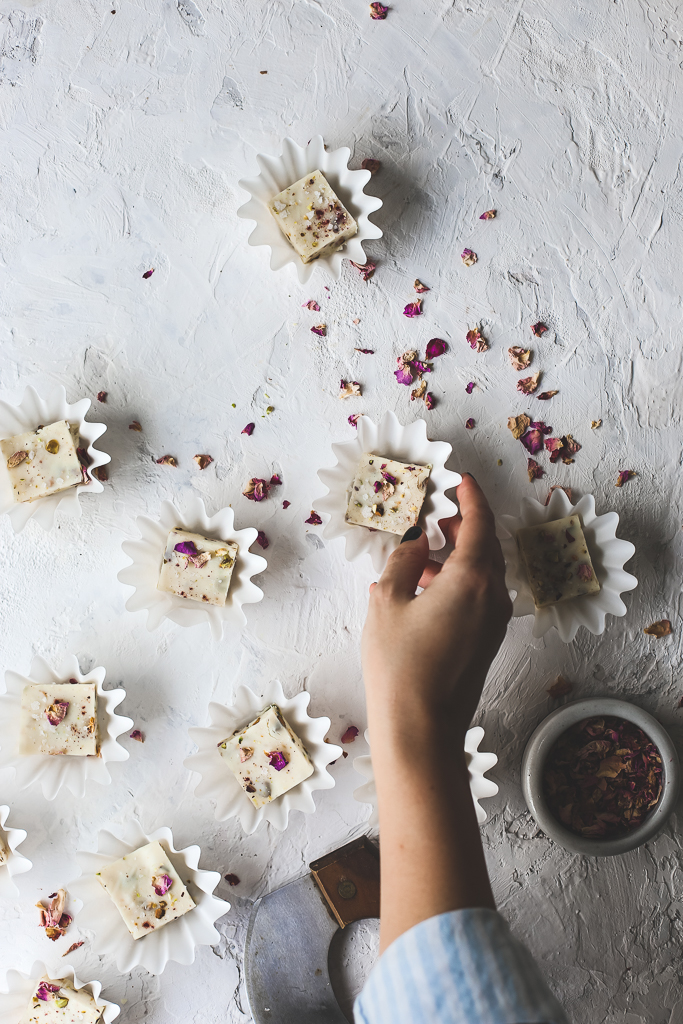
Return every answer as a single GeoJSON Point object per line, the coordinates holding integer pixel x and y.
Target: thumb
{"type": "Point", "coordinates": [406, 565]}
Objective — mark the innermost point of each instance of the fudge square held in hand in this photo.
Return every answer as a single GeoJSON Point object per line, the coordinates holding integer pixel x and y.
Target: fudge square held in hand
{"type": "Point", "coordinates": [267, 757]}
{"type": "Point", "coordinates": [196, 567]}
{"type": "Point", "coordinates": [557, 561]}
{"type": "Point", "coordinates": [387, 495]}
{"type": "Point", "coordinates": [59, 718]}
{"type": "Point", "coordinates": [43, 461]}
{"type": "Point", "coordinates": [56, 1001]}
{"type": "Point", "coordinates": [312, 217]}
{"type": "Point", "coordinates": [146, 889]}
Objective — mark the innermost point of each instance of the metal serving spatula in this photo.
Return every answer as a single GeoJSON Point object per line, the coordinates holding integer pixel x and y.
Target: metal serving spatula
{"type": "Point", "coordinates": [290, 931]}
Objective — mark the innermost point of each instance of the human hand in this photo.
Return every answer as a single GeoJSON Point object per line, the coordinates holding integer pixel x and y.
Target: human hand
{"type": "Point", "coordinates": [426, 656]}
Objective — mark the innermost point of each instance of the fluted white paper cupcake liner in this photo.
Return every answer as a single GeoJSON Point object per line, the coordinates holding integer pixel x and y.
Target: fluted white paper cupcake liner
{"type": "Point", "coordinates": [608, 553]}
{"type": "Point", "coordinates": [18, 988]}
{"type": "Point", "coordinates": [53, 771]}
{"type": "Point", "coordinates": [15, 864]}
{"type": "Point", "coordinates": [478, 764]}
{"type": "Point", "coordinates": [147, 554]}
{"type": "Point", "coordinates": [393, 440]}
{"type": "Point", "coordinates": [278, 173]}
{"type": "Point", "coordinates": [32, 412]}
{"type": "Point", "coordinates": [179, 939]}
{"type": "Point", "coordinates": [218, 782]}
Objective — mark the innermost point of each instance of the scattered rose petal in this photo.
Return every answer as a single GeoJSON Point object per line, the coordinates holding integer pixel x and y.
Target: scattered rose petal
{"type": "Point", "coordinates": [53, 918]}
{"type": "Point", "coordinates": [469, 388]}
{"type": "Point", "coordinates": [378, 12]}
{"type": "Point", "coordinates": [202, 460]}
{"type": "Point", "coordinates": [468, 257]}
{"type": "Point", "coordinates": [232, 880]}
{"type": "Point", "coordinates": [56, 712]}
{"type": "Point", "coordinates": [413, 308]}
{"type": "Point", "coordinates": [595, 424]}
{"type": "Point", "coordinates": [476, 340]}
{"type": "Point", "coordinates": [262, 540]}
{"type": "Point", "coordinates": [518, 425]}
{"type": "Point", "coordinates": [527, 385]}
{"type": "Point", "coordinates": [534, 470]}
{"type": "Point", "coordinates": [314, 519]}
{"type": "Point", "coordinates": [366, 270]}
{"type": "Point", "coordinates": [257, 489]}
{"type": "Point", "coordinates": [419, 391]}
{"type": "Point", "coordinates": [365, 351]}
{"type": "Point", "coordinates": [286, 504]}
{"type": "Point", "coordinates": [469, 423]}
{"type": "Point", "coordinates": [584, 572]}
{"type": "Point", "coordinates": [186, 547]}
{"type": "Point", "coordinates": [659, 629]}
{"type": "Point", "coordinates": [419, 287]}
{"type": "Point", "coordinates": [435, 347]}
{"type": "Point", "coordinates": [488, 215]}
{"type": "Point", "coordinates": [353, 419]}
{"type": "Point", "coordinates": [249, 429]}
{"type": "Point", "coordinates": [46, 991]}
{"type": "Point", "coordinates": [624, 476]}
{"type": "Point", "coordinates": [533, 441]}
{"type": "Point", "coordinates": [349, 389]}
{"type": "Point", "coordinates": [519, 357]}
{"type": "Point", "coordinates": [370, 164]}
{"type": "Point", "coordinates": [554, 445]}
{"type": "Point", "coordinates": [102, 396]}
{"type": "Point", "coordinates": [167, 460]}
{"type": "Point", "coordinates": [161, 884]}
{"type": "Point", "coordinates": [311, 304]}
{"type": "Point", "coordinates": [350, 734]}
{"type": "Point", "coordinates": [101, 472]}
{"type": "Point", "coordinates": [275, 480]}
{"type": "Point", "coordinates": [276, 759]}
{"type": "Point", "coordinates": [560, 688]}
{"type": "Point", "coordinates": [320, 330]}
{"type": "Point", "coordinates": [135, 426]}
{"type": "Point", "coordinates": [148, 273]}
{"type": "Point", "coordinates": [430, 401]}
{"type": "Point", "coordinates": [558, 487]}
{"type": "Point", "coordinates": [539, 329]}
{"type": "Point", "coordinates": [137, 735]}
{"type": "Point", "coordinates": [74, 946]}
{"type": "Point", "coordinates": [545, 395]}
{"type": "Point", "coordinates": [357, 320]}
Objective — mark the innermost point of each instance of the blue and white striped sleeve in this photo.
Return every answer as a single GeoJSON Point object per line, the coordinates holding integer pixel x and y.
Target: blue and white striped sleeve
{"type": "Point", "coordinates": [463, 967]}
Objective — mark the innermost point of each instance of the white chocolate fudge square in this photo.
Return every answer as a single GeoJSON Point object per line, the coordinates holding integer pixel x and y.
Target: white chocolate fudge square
{"type": "Point", "coordinates": [43, 461]}
{"type": "Point", "coordinates": [59, 718]}
{"type": "Point", "coordinates": [387, 495]}
{"type": "Point", "coordinates": [267, 757]}
{"type": "Point", "coordinates": [312, 217]}
{"type": "Point", "coordinates": [197, 568]}
{"type": "Point", "coordinates": [56, 1001]}
{"type": "Point", "coordinates": [557, 561]}
{"type": "Point", "coordinates": [146, 889]}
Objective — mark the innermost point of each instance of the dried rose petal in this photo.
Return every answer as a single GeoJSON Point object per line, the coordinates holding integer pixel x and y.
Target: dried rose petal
{"type": "Point", "coordinates": [16, 459]}
{"type": "Point", "coordinates": [435, 347]}
{"type": "Point", "coordinates": [370, 164]}
{"type": "Point", "coordinates": [419, 287]}
{"type": "Point", "coordinates": [134, 426]}
{"type": "Point", "coordinates": [45, 991]}
{"type": "Point", "coordinates": [468, 257]}
{"type": "Point", "coordinates": [532, 441]}
{"type": "Point", "coordinates": [558, 487]}
{"type": "Point", "coordinates": [52, 918]}
{"type": "Point", "coordinates": [277, 760]}
{"type": "Point", "coordinates": [584, 572]}
{"type": "Point", "coordinates": [430, 401]}
{"type": "Point", "coordinates": [56, 712]}
{"type": "Point", "coordinates": [286, 504]}
{"type": "Point", "coordinates": [488, 215]}
{"type": "Point", "coordinates": [101, 473]}
{"type": "Point", "coordinates": [419, 392]}
{"type": "Point", "coordinates": [74, 946]}
{"type": "Point", "coordinates": [518, 425]}
{"type": "Point", "coordinates": [262, 540]}
{"type": "Point", "coordinates": [545, 395]}
{"type": "Point", "coordinates": [311, 304]}
{"type": "Point", "coordinates": [378, 12]}
{"type": "Point", "coordinates": [320, 330]}
{"type": "Point", "coordinates": [202, 460]}
{"type": "Point", "coordinates": [366, 270]}
{"type": "Point", "coordinates": [659, 629]}
{"type": "Point", "coordinates": [469, 423]}
{"type": "Point", "coordinates": [257, 489]}
{"type": "Point", "coordinates": [624, 476]}
{"type": "Point", "coordinates": [353, 419]}
{"type": "Point", "coordinates": [534, 470]}
{"type": "Point", "coordinates": [350, 734]}
{"type": "Point", "coordinates": [275, 480]}
{"type": "Point", "coordinates": [314, 519]}
{"type": "Point", "coordinates": [137, 735]}
{"type": "Point", "coordinates": [595, 424]}
{"type": "Point", "coordinates": [560, 688]}
{"type": "Point", "coordinates": [249, 429]}
{"type": "Point", "coordinates": [476, 340]}
{"type": "Point", "coordinates": [101, 396]}
{"type": "Point", "coordinates": [519, 357]}
{"type": "Point", "coordinates": [413, 308]}
{"type": "Point", "coordinates": [148, 273]}
{"type": "Point", "coordinates": [469, 388]}
{"type": "Point", "coordinates": [539, 329]}
{"type": "Point", "coordinates": [167, 460]}
{"type": "Point", "coordinates": [527, 385]}
{"type": "Point", "coordinates": [232, 880]}
{"type": "Point", "coordinates": [349, 389]}
{"type": "Point", "coordinates": [186, 547]}
{"type": "Point", "coordinates": [365, 351]}
{"type": "Point", "coordinates": [161, 884]}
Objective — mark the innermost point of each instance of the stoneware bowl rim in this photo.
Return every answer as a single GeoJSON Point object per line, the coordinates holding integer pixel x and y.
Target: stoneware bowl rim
{"type": "Point", "coordinates": [538, 748]}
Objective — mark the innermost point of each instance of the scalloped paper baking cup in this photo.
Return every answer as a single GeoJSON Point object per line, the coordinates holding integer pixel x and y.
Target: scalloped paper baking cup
{"type": "Point", "coordinates": [179, 939]}
{"type": "Point", "coordinates": [219, 784]}
{"type": "Point", "coordinates": [608, 553]}
{"type": "Point", "coordinates": [14, 864]}
{"type": "Point", "coordinates": [31, 412]}
{"type": "Point", "coordinates": [478, 763]}
{"type": "Point", "coordinates": [53, 771]}
{"type": "Point", "coordinates": [406, 444]}
{"type": "Point", "coordinates": [18, 989]}
{"type": "Point", "coordinates": [278, 173]}
{"type": "Point", "coordinates": [147, 553]}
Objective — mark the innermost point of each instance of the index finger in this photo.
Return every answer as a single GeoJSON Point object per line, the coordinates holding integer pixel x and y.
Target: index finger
{"type": "Point", "coordinates": [476, 535]}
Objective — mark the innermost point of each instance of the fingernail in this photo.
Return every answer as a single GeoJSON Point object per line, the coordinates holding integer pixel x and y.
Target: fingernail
{"type": "Point", "coordinates": [412, 534]}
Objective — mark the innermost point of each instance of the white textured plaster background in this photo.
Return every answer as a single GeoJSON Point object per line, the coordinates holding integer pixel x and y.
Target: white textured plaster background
{"type": "Point", "coordinates": [123, 138]}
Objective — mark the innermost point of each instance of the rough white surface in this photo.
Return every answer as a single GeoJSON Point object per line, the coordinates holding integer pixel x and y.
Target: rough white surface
{"type": "Point", "coordinates": [123, 136]}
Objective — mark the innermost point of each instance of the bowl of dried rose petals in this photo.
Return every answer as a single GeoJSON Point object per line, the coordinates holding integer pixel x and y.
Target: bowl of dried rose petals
{"type": "Point", "coordinates": [600, 776]}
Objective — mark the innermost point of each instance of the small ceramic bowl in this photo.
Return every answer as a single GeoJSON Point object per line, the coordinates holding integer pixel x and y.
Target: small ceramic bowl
{"type": "Point", "coordinates": [278, 173]}
{"type": "Point", "coordinates": [15, 864]}
{"type": "Point", "coordinates": [543, 739]}
{"type": "Point", "coordinates": [18, 989]}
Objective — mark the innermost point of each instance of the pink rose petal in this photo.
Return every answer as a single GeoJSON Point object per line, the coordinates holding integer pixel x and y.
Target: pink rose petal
{"type": "Point", "coordinates": [413, 308]}
{"type": "Point", "coordinates": [314, 519]}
